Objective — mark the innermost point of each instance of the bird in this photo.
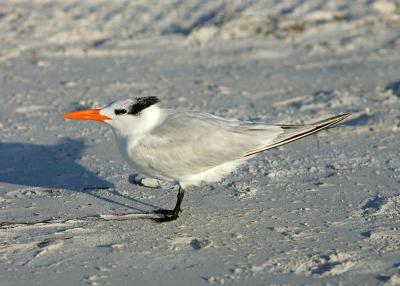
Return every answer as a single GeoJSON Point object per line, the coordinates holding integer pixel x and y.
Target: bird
{"type": "Point", "coordinates": [189, 148]}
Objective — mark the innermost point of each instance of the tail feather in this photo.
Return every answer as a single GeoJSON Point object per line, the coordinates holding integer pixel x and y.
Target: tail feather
{"type": "Point", "coordinates": [295, 132]}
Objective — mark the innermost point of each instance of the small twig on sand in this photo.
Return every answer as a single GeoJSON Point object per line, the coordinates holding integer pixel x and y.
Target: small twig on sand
{"type": "Point", "coordinates": [61, 222]}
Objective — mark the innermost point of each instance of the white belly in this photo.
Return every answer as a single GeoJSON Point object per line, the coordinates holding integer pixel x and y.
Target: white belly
{"type": "Point", "coordinates": [213, 174]}
{"type": "Point", "coordinates": [139, 163]}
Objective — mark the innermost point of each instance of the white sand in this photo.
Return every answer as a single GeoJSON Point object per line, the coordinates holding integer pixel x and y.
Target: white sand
{"type": "Point", "coordinates": [324, 210]}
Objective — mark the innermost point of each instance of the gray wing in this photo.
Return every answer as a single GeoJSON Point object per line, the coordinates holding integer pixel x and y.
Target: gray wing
{"type": "Point", "coordinates": [187, 143]}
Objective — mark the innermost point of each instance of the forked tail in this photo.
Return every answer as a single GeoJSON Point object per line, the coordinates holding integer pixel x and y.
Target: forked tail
{"type": "Point", "coordinates": [295, 132]}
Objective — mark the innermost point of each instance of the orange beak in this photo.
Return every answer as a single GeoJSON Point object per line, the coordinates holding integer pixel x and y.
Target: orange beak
{"type": "Point", "coordinates": [89, 114]}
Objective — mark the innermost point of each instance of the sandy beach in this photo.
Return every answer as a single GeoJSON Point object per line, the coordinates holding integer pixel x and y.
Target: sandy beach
{"type": "Point", "coordinates": [324, 210]}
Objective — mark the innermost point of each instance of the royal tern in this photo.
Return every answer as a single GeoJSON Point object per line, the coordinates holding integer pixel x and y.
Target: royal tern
{"type": "Point", "coordinates": [190, 148]}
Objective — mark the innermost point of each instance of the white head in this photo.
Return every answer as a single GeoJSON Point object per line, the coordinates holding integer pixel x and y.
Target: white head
{"type": "Point", "coordinates": [126, 117]}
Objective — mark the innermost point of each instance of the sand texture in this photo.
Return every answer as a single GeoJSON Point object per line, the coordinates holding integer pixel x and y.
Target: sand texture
{"type": "Point", "coordinates": [321, 211]}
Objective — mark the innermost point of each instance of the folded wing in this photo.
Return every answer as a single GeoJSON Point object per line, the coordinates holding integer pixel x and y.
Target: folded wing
{"type": "Point", "coordinates": [192, 143]}
{"type": "Point", "coordinates": [187, 143]}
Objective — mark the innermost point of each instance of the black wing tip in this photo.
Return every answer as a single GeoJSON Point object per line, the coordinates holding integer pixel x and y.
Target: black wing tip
{"type": "Point", "coordinates": [343, 115]}
{"type": "Point", "coordinates": [333, 119]}
{"type": "Point", "coordinates": [318, 126]}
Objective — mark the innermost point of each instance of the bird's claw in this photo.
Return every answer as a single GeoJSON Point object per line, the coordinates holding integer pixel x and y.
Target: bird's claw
{"type": "Point", "coordinates": [164, 212]}
{"type": "Point", "coordinates": [165, 219]}
{"type": "Point", "coordinates": [167, 212]}
{"type": "Point", "coordinates": [169, 215]}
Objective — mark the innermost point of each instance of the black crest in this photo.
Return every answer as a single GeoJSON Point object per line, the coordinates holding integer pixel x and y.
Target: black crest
{"type": "Point", "coordinates": [142, 103]}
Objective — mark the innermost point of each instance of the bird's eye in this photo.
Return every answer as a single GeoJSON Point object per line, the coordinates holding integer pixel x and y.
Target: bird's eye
{"type": "Point", "coordinates": [120, 111]}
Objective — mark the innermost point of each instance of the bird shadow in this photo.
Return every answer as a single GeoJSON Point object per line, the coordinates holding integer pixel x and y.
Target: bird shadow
{"type": "Point", "coordinates": [55, 167]}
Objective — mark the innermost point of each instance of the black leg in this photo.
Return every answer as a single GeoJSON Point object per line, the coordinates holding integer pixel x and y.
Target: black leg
{"type": "Point", "coordinates": [170, 215]}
